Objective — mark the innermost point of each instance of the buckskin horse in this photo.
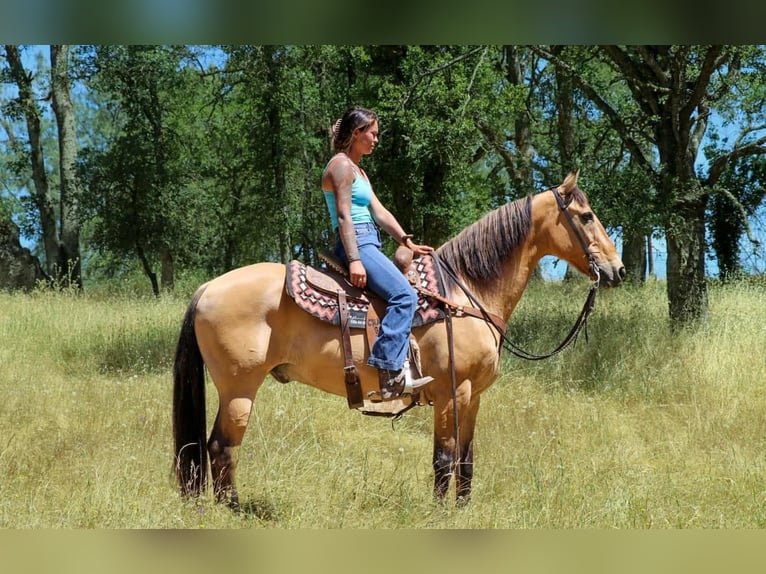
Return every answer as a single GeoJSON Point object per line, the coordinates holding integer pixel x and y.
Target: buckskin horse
{"type": "Point", "coordinates": [244, 325]}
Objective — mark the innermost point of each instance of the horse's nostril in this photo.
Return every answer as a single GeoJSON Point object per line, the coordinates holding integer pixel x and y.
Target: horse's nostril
{"type": "Point", "coordinates": [622, 273]}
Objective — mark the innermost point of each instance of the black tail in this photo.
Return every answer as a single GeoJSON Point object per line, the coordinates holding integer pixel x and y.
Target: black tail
{"type": "Point", "coordinates": [189, 430]}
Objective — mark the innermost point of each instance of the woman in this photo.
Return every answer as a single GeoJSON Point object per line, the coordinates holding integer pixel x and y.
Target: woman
{"type": "Point", "coordinates": [356, 213]}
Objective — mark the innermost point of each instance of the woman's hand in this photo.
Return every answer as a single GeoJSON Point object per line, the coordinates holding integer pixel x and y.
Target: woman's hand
{"type": "Point", "coordinates": [357, 274]}
{"type": "Point", "coordinates": [416, 248]}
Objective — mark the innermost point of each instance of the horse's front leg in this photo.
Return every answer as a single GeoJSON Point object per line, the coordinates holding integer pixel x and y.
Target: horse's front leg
{"type": "Point", "coordinates": [467, 419]}
{"type": "Point", "coordinates": [443, 460]}
{"type": "Point", "coordinates": [452, 451]}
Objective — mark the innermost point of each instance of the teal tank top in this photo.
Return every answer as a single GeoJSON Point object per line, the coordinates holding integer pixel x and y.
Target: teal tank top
{"type": "Point", "coordinates": [361, 196]}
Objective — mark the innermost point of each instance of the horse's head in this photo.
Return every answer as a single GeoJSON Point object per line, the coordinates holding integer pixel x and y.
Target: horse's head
{"type": "Point", "coordinates": [578, 237]}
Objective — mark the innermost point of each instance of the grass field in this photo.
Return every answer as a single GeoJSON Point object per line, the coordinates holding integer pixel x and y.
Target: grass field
{"type": "Point", "coordinates": [635, 428]}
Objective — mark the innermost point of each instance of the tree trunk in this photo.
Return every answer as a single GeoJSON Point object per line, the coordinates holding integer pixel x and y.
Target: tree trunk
{"type": "Point", "coordinates": [685, 205]}
{"type": "Point", "coordinates": [167, 277]}
{"type": "Point", "coordinates": [41, 196]}
{"type": "Point", "coordinates": [686, 285]}
{"type": "Point", "coordinates": [70, 264]}
{"type": "Point", "coordinates": [634, 256]}
{"type": "Point", "coordinates": [565, 108]}
{"type": "Point", "coordinates": [566, 143]}
{"type": "Point", "coordinates": [277, 156]}
{"type": "Point", "coordinates": [521, 164]}
{"type": "Point", "coordinates": [148, 269]}
{"type": "Point", "coordinates": [522, 174]}
{"type": "Point", "coordinates": [19, 269]}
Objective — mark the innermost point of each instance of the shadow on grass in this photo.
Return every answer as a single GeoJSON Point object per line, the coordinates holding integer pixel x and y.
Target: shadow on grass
{"type": "Point", "coordinates": [260, 509]}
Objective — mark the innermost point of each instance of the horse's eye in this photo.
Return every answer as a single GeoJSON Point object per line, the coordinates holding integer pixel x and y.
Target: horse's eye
{"type": "Point", "coordinates": [586, 217]}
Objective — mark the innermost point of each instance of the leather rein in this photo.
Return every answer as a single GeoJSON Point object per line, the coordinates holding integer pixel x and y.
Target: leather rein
{"type": "Point", "coordinates": [480, 312]}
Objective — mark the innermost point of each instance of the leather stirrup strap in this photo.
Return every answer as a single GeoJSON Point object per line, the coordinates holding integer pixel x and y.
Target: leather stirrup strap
{"type": "Point", "coordinates": [353, 386]}
{"type": "Point", "coordinates": [372, 325]}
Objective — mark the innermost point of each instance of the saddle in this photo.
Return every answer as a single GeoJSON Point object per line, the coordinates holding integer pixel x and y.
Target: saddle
{"type": "Point", "coordinates": [326, 294]}
{"type": "Point", "coordinates": [316, 292]}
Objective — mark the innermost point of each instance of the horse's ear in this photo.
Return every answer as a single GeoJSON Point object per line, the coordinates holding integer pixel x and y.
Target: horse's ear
{"type": "Point", "coordinates": [569, 183]}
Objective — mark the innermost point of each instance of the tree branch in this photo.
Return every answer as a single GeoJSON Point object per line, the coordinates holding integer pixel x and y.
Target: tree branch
{"type": "Point", "coordinates": [470, 84]}
{"type": "Point", "coordinates": [719, 164]}
{"type": "Point", "coordinates": [714, 59]}
{"type": "Point", "coordinates": [507, 156]}
{"type": "Point", "coordinates": [742, 213]}
{"type": "Point", "coordinates": [436, 70]}
{"type": "Point", "coordinates": [614, 118]}
{"type": "Point", "coordinates": [645, 90]}
{"type": "Point", "coordinates": [651, 63]}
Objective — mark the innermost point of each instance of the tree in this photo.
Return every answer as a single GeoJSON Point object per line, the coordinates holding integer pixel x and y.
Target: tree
{"type": "Point", "coordinates": [138, 186]}
{"type": "Point", "coordinates": [673, 90]}
{"type": "Point", "coordinates": [25, 107]}
{"type": "Point", "coordinates": [431, 100]}
{"type": "Point", "coordinates": [69, 197]}
{"type": "Point", "coordinates": [739, 193]}
{"type": "Point", "coordinates": [285, 100]}
{"type": "Point", "coordinates": [737, 168]}
{"type": "Point", "coordinates": [208, 158]}
{"type": "Point", "coordinates": [61, 238]}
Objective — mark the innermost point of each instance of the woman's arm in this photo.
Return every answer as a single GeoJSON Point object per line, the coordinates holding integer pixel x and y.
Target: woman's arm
{"type": "Point", "coordinates": [338, 178]}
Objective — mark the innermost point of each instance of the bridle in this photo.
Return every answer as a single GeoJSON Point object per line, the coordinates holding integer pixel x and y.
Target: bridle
{"type": "Point", "coordinates": [580, 323]}
{"type": "Point", "coordinates": [563, 206]}
{"type": "Point", "coordinates": [505, 342]}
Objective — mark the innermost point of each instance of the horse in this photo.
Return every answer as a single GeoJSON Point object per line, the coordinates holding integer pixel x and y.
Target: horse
{"type": "Point", "coordinates": [243, 326]}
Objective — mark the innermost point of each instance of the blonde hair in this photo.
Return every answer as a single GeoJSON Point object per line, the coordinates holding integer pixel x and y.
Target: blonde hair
{"type": "Point", "coordinates": [343, 129]}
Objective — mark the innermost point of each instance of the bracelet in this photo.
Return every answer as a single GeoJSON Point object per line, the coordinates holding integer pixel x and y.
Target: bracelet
{"type": "Point", "coordinates": [405, 238]}
{"type": "Point", "coordinates": [351, 259]}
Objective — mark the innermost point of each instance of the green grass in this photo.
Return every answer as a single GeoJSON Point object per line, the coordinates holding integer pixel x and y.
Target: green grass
{"type": "Point", "coordinates": [635, 428]}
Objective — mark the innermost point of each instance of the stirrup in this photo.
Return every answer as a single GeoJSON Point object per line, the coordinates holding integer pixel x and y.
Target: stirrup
{"type": "Point", "coordinates": [412, 386]}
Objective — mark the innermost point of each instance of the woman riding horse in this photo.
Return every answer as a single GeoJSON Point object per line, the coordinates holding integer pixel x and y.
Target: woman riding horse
{"type": "Point", "coordinates": [243, 326]}
{"type": "Point", "coordinates": [354, 211]}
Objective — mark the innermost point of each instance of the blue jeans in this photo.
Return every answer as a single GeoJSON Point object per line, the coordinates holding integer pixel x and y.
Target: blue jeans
{"type": "Point", "coordinates": [384, 279]}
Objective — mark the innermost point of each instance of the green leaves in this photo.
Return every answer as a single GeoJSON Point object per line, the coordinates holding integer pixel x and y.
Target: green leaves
{"type": "Point", "coordinates": [216, 153]}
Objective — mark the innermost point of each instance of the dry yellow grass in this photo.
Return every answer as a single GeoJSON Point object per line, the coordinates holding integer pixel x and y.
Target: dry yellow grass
{"type": "Point", "coordinates": [637, 428]}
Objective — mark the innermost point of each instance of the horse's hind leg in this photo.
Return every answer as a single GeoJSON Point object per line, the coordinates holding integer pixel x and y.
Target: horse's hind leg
{"type": "Point", "coordinates": [225, 438]}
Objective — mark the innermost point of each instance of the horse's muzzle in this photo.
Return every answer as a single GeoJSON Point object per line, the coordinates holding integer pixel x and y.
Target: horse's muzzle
{"type": "Point", "coordinates": [612, 273]}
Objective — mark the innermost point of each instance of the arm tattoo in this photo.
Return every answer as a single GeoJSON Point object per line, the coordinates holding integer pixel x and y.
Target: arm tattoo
{"type": "Point", "coordinates": [348, 237]}
{"type": "Point", "coordinates": [343, 177]}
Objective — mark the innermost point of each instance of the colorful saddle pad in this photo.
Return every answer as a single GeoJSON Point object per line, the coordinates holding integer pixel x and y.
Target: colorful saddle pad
{"type": "Point", "coordinates": [315, 291]}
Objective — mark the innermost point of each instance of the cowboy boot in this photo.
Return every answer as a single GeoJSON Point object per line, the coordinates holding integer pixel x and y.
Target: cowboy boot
{"type": "Point", "coordinates": [396, 384]}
